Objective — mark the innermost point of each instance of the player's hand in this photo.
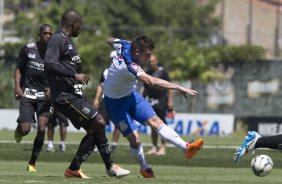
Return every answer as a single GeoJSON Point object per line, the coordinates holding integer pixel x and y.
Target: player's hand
{"type": "Point", "coordinates": [18, 92]}
{"type": "Point", "coordinates": [190, 92]}
{"type": "Point", "coordinates": [82, 78]}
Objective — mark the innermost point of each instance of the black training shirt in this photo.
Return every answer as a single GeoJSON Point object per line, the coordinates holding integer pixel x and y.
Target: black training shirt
{"type": "Point", "coordinates": [153, 92]}
{"type": "Point", "coordinates": [31, 66]}
{"type": "Point", "coordinates": [62, 62]}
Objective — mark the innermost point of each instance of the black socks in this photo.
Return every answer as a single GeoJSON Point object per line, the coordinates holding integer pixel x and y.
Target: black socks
{"type": "Point", "coordinates": [272, 142]}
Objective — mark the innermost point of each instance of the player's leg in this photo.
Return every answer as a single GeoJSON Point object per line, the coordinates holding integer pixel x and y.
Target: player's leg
{"type": "Point", "coordinates": [63, 135]}
{"type": "Point", "coordinates": [137, 152]}
{"type": "Point", "coordinates": [98, 128]}
{"type": "Point", "coordinates": [253, 141]}
{"type": "Point", "coordinates": [72, 111]}
{"type": "Point", "coordinates": [63, 122]}
{"type": "Point", "coordinates": [145, 113]}
{"type": "Point", "coordinates": [169, 135]}
{"type": "Point", "coordinates": [271, 142]}
{"type": "Point", "coordinates": [161, 112]}
{"type": "Point", "coordinates": [118, 111]}
{"type": "Point", "coordinates": [154, 148]}
{"type": "Point", "coordinates": [115, 139]}
{"type": "Point", "coordinates": [82, 114]}
{"type": "Point", "coordinates": [50, 133]}
{"type": "Point", "coordinates": [162, 150]}
{"type": "Point", "coordinates": [43, 113]}
{"type": "Point", "coordinates": [159, 109]}
{"type": "Point", "coordinates": [26, 117]}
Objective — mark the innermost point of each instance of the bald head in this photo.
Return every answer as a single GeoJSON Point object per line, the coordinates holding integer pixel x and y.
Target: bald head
{"type": "Point", "coordinates": [69, 17]}
{"type": "Point", "coordinates": [153, 62]}
{"type": "Point", "coordinates": [71, 23]}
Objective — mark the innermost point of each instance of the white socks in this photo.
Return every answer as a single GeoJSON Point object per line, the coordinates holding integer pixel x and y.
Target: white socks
{"type": "Point", "coordinates": [50, 144]}
{"type": "Point", "coordinates": [171, 136]}
{"type": "Point", "coordinates": [138, 154]}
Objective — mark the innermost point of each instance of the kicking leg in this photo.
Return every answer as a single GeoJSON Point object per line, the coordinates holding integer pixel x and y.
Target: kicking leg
{"type": "Point", "coordinates": [171, 136]}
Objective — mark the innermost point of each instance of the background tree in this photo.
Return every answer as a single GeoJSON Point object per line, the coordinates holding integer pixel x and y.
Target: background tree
{"type": "Point", "coordinates": [182, 31]}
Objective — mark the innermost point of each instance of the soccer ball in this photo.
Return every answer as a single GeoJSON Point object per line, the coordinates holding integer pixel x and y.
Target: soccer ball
{"type": "Point", "coordinates": [261, 165]}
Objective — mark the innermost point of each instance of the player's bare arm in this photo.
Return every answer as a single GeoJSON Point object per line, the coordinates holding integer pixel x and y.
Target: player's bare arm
{"type": "Point", "coordinates": [170, 99]}
{"type": "Point", "coordinates": [17, 78]}
{"type": "Point", "coordinates": [99, 92]}
{"type": "Point", "coordinates": [160, 83]}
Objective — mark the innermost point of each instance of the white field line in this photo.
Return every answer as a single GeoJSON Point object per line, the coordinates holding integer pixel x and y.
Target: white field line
{"type": "Point", "coordinates": [124, 144]}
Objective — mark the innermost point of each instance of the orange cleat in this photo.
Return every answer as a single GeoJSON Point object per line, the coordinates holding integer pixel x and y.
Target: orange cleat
{"type": "Point", "coordinates": [193, 148]}
{"type": "Point", "coordinates": [147, 173]}
{"type": "Point", "coordinates": [75, 174]}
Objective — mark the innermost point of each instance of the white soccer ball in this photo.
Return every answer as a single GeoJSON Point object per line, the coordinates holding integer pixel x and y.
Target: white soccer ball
{"type": "Point", "coordinates": [261, 165]}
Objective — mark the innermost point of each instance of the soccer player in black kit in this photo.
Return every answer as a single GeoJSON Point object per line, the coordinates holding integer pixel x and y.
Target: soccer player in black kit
{"type": "Point", "coordinates": [32, 89]}
{"type": "Point", "coordinates": [63, 65]}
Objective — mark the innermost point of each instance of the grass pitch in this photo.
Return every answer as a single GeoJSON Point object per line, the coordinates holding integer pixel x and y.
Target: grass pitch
{"type": "Point", "coordinates": [213, 164]}
{"type": "Point", "coordinates": [13, 172]}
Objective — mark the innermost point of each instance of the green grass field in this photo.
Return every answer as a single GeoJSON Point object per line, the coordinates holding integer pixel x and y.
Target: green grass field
{"type": "Point", "coordinates": [211, 165]}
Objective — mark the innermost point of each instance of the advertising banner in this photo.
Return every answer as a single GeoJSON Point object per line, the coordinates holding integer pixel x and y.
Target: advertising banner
{"type": "Point", "coordinates": [265, 126]}
{"type": "Point", "coordinates": [183, 123]}
{"type": "Point", "coordinates": [196, 124]}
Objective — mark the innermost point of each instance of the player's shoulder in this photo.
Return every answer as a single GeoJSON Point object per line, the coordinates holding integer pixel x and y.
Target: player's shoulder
{"type": "Point", "coordinates": [121, 41]}
{"type": "Point", "coordinates": [30, 45]}
{"type": "Point", "coordinates": [161, 68]}
{"type": "Point", "coordinates": [58, 35]}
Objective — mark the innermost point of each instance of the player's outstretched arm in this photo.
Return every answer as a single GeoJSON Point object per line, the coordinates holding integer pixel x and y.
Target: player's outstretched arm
{"type": "Point", "coordinates": [160, 83]}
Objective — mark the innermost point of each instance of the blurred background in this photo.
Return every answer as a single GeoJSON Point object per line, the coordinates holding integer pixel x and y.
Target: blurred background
{"type": "Point", "coordinates": [229, 51]}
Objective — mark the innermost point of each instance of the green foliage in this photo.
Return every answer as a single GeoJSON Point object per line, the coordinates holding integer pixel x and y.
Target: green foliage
{"type": "Point", "coordinates": [7, 98]}
{"type": "Point", "coordinates": [177, 27]}
{"type": "Point", "coordinates": [199, 63]}
{"type": "Point", "coordinates": [11, 53]}
{"type": "Point", "coordinates": [241, 54]}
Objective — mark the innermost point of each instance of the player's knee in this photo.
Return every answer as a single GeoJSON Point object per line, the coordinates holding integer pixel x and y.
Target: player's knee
{"type": "Point", "coordinates": [155, 122]}
{"type": "Point", "coordinates": [134, 140]}
{"type": "Point", "coordinates": [99, 122]}
{"type": "Point", "coordinates": [135, 145]}
{"type": "Point", "coordinates": [41, 130]}
{"type": "Point", "coordinates": [24, 130]}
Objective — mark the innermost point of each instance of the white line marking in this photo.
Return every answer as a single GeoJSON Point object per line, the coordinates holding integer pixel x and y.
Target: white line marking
{"type": "Point", "coordinates": [123, 144]}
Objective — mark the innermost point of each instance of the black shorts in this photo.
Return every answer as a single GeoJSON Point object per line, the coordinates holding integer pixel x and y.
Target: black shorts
{"type": "Point", "coordinates": [161, 112]}
{"type": "Point", "coordinates": [161, 107]}
{"type": "Point", "coordinates": [76, 108]}
{"type": "Point", "coordinates": [29, 106]}
{"type": "Point", "coordinates": [59, 119]}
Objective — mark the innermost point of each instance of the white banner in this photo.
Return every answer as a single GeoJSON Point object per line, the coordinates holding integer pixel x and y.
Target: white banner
{"type": "Point", "coordinates": [184, 123]}
{"type": "Point", "coordinates": [197, 124]}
